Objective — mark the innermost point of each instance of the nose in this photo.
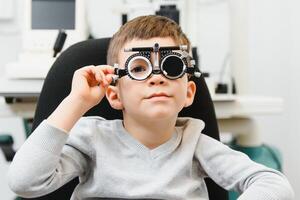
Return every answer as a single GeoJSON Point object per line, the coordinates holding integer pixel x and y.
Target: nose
{"type": "Point", "coordinates": [157, 79]}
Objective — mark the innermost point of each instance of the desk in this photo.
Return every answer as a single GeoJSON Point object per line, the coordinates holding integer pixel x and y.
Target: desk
{"type": "Point", "coordinates": [20, 88]}
{"type": "Point", "coordinates": [234, 113]}
{"type": "Point", "coordinates": [237, 116]}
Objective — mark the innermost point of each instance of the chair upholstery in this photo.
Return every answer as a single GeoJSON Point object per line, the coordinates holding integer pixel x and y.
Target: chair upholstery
{"type": "Point", "coordinates": [57, 86]}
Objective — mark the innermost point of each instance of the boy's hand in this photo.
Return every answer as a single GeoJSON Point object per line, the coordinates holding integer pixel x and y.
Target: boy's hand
{"type": "Point", "coordinates": [89, 84]}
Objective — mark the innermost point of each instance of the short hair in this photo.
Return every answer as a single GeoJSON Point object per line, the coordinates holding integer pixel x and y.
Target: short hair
{"type": "Point", "coordinates": [144, 27]}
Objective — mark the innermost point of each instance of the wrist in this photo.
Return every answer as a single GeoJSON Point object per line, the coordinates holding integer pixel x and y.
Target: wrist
{"type": "Point", "coordinates": [67, 113]}
{"type": "Point", "coordinates": [78, 105]}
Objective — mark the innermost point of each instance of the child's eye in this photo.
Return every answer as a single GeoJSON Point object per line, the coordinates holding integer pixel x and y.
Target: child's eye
{"type": "Point", "coordinates": [138, 69]}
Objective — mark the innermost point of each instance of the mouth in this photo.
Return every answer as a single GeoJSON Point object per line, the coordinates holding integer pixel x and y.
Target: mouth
{"type": "Point", "coordinates": [158, 95]}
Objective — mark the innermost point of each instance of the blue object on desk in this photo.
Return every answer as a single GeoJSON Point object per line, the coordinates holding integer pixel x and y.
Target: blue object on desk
{"type": "Point", "coordinates": [265, 154]}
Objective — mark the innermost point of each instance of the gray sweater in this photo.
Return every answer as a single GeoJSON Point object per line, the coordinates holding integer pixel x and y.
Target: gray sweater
{"type": "Point", "coordinates": [111, 163]}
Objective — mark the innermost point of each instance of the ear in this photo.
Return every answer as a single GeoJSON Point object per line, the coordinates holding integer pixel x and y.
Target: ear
{"type": "Point", "coordinates": [112, 95]}
{"type": "Point", "coordinates": [190, 94]}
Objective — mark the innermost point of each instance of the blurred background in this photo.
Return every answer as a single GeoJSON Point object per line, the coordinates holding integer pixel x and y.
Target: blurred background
{"type": "Point", "coordinates": [249, 51]}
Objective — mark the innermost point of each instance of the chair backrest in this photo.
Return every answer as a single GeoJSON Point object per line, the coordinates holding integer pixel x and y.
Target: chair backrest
{"type": "Point", "coordinates": [57, 86]}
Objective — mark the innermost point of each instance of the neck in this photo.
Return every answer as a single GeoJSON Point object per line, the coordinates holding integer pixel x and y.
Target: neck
{"type": "Point", "coordinates": [150, 133]}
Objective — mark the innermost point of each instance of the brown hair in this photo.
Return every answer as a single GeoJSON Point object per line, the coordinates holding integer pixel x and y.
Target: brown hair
{"type": "Point", "coordinates": [144, 27]}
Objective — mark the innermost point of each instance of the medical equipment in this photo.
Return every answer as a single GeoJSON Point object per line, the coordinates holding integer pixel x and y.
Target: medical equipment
{"type": "Point", "coordinates": [42, 20]}
{"type": "Point", "coordinates": [172, 64]}
{"type": "Point", "coordinates": [169, 11]}
{"type": "Point", "coordinates": [59, 42]}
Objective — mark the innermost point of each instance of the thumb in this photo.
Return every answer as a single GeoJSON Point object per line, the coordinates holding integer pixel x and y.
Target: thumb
{"type": "Point", "coordinates": [99, 90]}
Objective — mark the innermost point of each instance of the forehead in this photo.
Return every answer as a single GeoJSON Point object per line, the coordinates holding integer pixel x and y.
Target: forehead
{"type": "Point", "coordinates": [167, 41]}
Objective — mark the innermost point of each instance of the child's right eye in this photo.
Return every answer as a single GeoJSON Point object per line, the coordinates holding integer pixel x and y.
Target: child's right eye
{"type": "Point", "coordinates": [138, 69]}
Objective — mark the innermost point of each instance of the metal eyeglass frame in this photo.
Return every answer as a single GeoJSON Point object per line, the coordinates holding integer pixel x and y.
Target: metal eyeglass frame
{"type": "Point", "coordinates": [144, 53]}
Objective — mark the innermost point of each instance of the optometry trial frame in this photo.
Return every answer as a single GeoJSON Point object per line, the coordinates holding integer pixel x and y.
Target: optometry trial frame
{"type": "Point", "coordinates": [172, 64]}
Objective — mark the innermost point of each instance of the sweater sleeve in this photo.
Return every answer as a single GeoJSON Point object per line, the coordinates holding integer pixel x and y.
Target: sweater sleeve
{"type": "Point", "coordinates": [48, 159]}
{"type": "Point", "coordinates": [234, 170]}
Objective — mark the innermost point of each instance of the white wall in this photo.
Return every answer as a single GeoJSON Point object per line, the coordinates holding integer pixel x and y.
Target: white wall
{"type": "Point", "coordinates": [10, 36]}
{"type": "Point", "coordinates": [274, 48]}
{"type": "Point", "coordinates": [274, 70]}
{"type": "Point", "coordinates": [10, 44]}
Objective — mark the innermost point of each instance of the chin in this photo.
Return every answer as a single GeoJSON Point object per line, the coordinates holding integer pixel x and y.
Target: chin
{"type": "Point", "coordinates": [161, 115]}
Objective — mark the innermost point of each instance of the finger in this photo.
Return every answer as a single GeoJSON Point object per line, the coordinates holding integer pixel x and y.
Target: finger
{"type": "Point", "coordinates": [109, 74]}
{"type": "Point", "coordinates": [87, 72]}
{"type": "Point", "coordinates": [90, 76]}
{"type": "Point", "coordinates": [87, 69]}
{"type": "Point", "coordinates": [103, 78]}
{"type": "Point", "coordinates": [109, 70]}
{"type": "Point", "coordinates": [97, 75]}
{"type": "Point", "coordinates": [109, 78]}
{"type": "Point", "coordinates": [106, 72]}
{"type": "Point", "coordinates": [106, 69]}
{"type": "Point", "coordinates": [83, 73]}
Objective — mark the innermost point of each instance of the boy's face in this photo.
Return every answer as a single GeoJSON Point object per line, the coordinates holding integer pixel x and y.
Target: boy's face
{"type": "Point", "coordinates": [154, 98]}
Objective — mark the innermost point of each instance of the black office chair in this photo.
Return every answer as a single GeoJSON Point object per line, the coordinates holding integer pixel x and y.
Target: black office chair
{"type": "Point", "coordinates": [57, 86]}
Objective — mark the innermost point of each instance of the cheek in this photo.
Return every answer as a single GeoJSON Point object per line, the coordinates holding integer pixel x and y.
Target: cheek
{"type": "Point", "coordinates": [128, 90]}
{"type": "Point", "coordinates": [181, 92]}
{"type": "Point", "coordinates": [125, 85]}
{"type": "Point", "coordinates": [183, 95]}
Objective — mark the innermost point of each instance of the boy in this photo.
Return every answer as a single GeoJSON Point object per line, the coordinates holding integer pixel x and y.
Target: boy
{"type": "Point", "coordinates": [151, 154]}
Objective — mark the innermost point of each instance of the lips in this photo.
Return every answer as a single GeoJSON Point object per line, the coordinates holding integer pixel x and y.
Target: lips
{"type": "Point", "coordinates": [160, 94]}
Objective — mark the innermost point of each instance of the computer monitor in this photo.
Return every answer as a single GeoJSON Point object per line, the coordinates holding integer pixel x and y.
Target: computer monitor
{"type": "Point", "coordinates": [43, 19]}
